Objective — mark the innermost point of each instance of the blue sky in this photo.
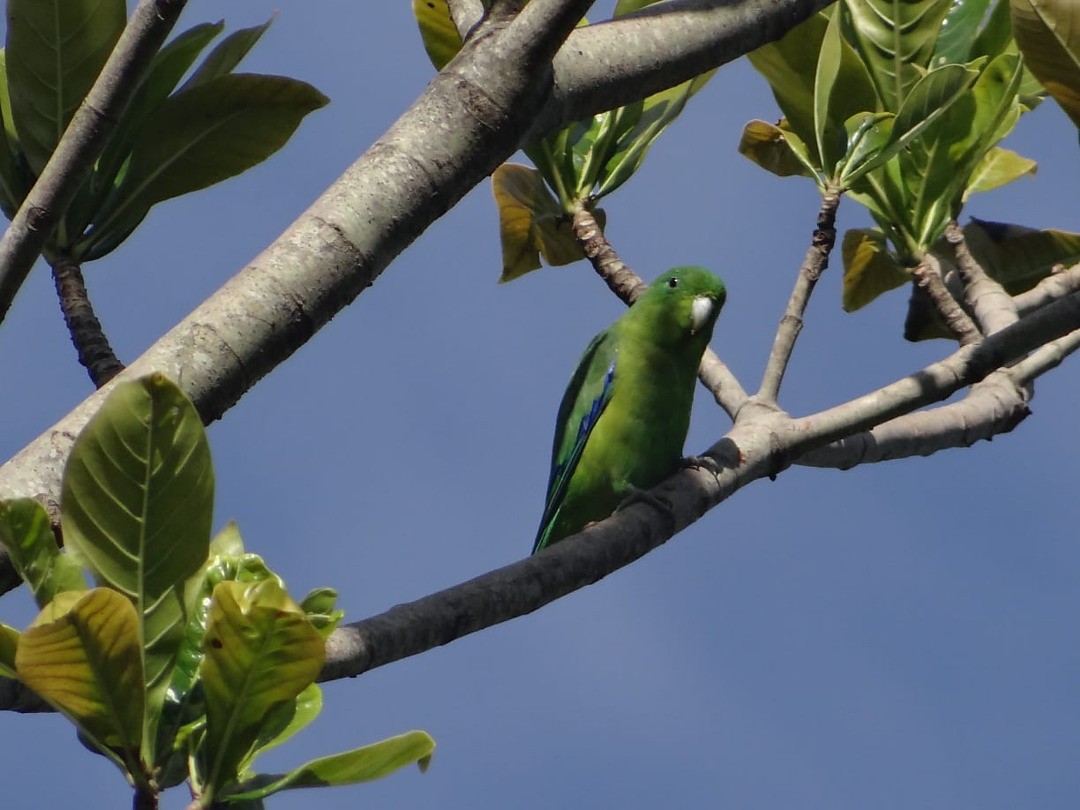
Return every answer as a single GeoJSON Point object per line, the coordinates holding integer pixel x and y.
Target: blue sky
{"type": "Point", "coordinates": [900, 635]}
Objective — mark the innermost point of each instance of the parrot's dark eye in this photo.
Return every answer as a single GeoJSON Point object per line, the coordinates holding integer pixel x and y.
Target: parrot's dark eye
{"type": "Point", "coordinates": [673, 282]}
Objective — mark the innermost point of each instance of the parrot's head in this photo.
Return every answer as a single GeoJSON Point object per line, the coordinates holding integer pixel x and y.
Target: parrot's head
{"type": "Point", "coordinates": [682, 304]}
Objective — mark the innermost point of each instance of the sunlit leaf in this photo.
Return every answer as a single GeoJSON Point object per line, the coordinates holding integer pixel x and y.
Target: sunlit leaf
{"type": "Point", "coordinates": [9, 643]}
{"type": "Point", "coordinates": [997, 168]}
{"type": "Point", "coordinates": [359, 765]}
{"type": "Point", "coordinates": [320, 608]}
{"type": "Point", "coordinates": [285, 720]}
{"type": "Point", "coordinates": [55, 51]}
{"type": "Point", "coordinates": [199, 137]}
{"type": "Point", "coordinates": [1048, 33]}
{"type": "Point", "coordinates": [441, 38]}
{"type": "Point", "coordinates": [772, 149]}
{"type": "Point", "coordinates": [260, 652]}
{"type": "Point", "coordinates": [136, 506]}
{"type": "Point", "coordinates": [84, 658]}
{"type": "Point", "coordinates": [227, 54]}
{"type": "Point", "coordinates": [869, 268]}
{"type": "Point", "coordinates": [26, 532]}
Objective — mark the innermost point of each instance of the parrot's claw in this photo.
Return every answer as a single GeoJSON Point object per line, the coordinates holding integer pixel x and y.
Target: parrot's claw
{"type": "Point", "coordinates": [639, 495]}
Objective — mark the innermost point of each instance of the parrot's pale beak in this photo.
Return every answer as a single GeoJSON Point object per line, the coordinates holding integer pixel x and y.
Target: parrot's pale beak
{"type": "Point", "coordinates": [700, 310]}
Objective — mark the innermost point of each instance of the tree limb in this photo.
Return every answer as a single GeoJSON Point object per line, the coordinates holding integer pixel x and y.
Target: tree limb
{"type": "Point", "coordinates": [95, 353]}
{"type": "Point", "coordinates": [927, 276]}
{"type": "Point", "coordinates": [986, 299]}
{"type": "Point", "coordinates": [82, 142]}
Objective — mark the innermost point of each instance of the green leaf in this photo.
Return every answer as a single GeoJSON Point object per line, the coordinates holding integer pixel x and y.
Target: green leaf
{"type": "Point", "coordinates": [828, 131]}
{"type": "Point", "coordinates": [227, 54]}
{"type": "Point", "coordinates": [1020, 257]}
{"type": "Point", "coordinates": [359, 765]}
{"type": "Point", "coordinates": [82, 655]}
{"type": "Point", "coordinates": [55, 51]}
{"type": "Point", "coordinates": [26, 532]}
{"type": "Point", "coordinates": [629, 6]}
{"type": "Point", "coordinates": [958, 32]}
{"type": "Point", "coordinates": [260, 652]}
{"type": "Point", "coordinates": [437, 30]}
{"type": "Point", "coordinates": [136, 504]}
{"type": "Point", "coordinates": [869, 268]}
{"type": "Point", "coordinates": [13, 186]}
{"type": "Point", "coordinates": [772, 148]}
{"type": "Point", "coordinates": [531, 222]}
{"type": "Point", "coordinates": [996, 36]}
{"type": "Point", "coordinates": [895, 39]}
{"type": "Point", "coordinates": [319, 607]}
{"type": "Point", "coordinates": [286, 720]}
{"type": "Point", "coordinates": [197, 138]}
{"type": "Point", "coordinates": [9, 643]}
{"type": "Point", "coordinates": [1048, 34]}
{"type": "Point", "coordinates": [870, 143]}
{"type": "Point", "coordinates": [997, 168]}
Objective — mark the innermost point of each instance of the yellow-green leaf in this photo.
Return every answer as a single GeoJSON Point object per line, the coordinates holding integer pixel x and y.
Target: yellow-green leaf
{"type": "Point", "coordinates": [1048, 34]}
{"type": "Point", "coordinates": [26, 532]}
{"type": "Point", "coordinates": [771, 148]}
{"type": "Point", "coordinates": [9, 643]}
{"type": "Point", "coordinates": [997, 168]}
{"type": "Point", "coordinates": [84, 658]}
{"type": "Point", "coordinates": [260, 651]}
{"type": "Point", "coordinates": [347, 768]}
{"type": "Point", "coordinates": [531, 222]}
{"type": "Point", "coordinates": [869, 268]}
{"type": "Point", "coordinates": [441, 38]}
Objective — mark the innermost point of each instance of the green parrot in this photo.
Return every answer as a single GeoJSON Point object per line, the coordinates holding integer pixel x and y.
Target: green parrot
{"type": "Point", "coordinates": [623, 419]}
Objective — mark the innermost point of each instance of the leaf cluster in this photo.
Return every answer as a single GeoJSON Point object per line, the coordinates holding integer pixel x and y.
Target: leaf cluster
{"type": "Point", "coordinates": [188, 658]}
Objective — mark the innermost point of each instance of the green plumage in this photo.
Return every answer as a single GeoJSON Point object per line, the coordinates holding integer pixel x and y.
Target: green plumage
{"type": "Point", "coordinates": [625, 414]}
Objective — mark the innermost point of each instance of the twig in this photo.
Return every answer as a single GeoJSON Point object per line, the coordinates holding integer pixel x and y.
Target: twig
{"type": "Point", "coordinates": [93, 347]}
{"type": "Point", "coordinates": [1045, 358]}
{"type": "Point", "coordinates": [927, 276]}
{"type": "Point", "coordinates": [82, 142]}
{"type": "Point", "coordinates": [1051, 288]}
{"type": "Point", "coordinates": [627, 285]}
{"type": "Point", "coordinates": [814, 264]}
{"type": "Point", "coordinates": [992, 306]}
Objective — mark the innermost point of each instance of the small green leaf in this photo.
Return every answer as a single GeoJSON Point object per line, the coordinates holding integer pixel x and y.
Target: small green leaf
{"type": "Point", "coordinates": [958, 32]}
{"type": "Point", "coordinates": [136, 505]}
{"type": "Point", "coordinates": [83, 657]}
{"type": "Point", "coordinates": [55, 51]}
{"type": "Point", "coordinates": [319, 607]}
{"type": "Point", "coordinates": [869, 268]}
{"type": "Point", "coordinates": [441, 38]}
{"type": "Point", "coordinates": [227, 54]}
{"type": "Point", "coordinates": [359, 765]}
{"type": "Point", "coordinates": [260, 652]}
{"type": "Point", "coordinates": [26, 532]}
{"type": "Point", "coordinates": [286, 720]}
{"type": "Point", "coordinates": [829, 133]}
{"type": "Point", "coordinates": [1048, 33]}
{"type": "Point", "coordinates": [197, 138]}
{"type": "Point", "coordinates": [9, 643]}
{"type": "Point", "coordinates": [531, 222]}
{"type": "Point", "coordinates": [996, 36]}
{"type": "Point", "coordinates": [771, 148]}
{"type": "Point", "coordinates": [997, 168]}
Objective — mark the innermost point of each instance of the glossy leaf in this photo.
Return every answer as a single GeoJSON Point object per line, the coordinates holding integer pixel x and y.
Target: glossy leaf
{"type": "Point", "coordinates": [199, 137]}
{"type": "Point", "coordinates": [320, 608]}
{"type": "Point", "coordinates": [895, 39]}
{"type": "Point", "coordinates": [870, 269]}
{"type": "Point", "coordinates": [359, 765]}
{"type": "Point", "coordinates": [260, 652]}
{"type": "Point", "coordinates": [26, 532]}
{"type": "Point", "coordinates": [136, 505]}
{"type": "Point", "coordinates": [1048, 34]}
{"type": "Point", "coordinates": [531, 222]}
{"type": "Point", "coordinates": [55, 51]}
{"type": "Point", "coordinates": [227, 54]}
{"type": "Point", "coordinates": [997, 168]}
{"type": "Point", "coordinates": [958, 32]}
{"type": "Point", "coordinates": [437, 30]}
{"type": "Point", "coordinates": [286, 720]}
{"type": "Point", "coordinates": [772, 148]}
{"type": "Point", "coordinates": [83, 657]}
{"type": "Point", "coordinates": [9, 643]}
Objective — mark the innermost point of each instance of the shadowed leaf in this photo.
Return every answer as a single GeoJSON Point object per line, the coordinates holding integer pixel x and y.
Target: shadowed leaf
{"type": "Point", "coordinates": [26, 532]}
{"type": "Point", "coordinates": [869, 268]}
{"type": "Point", "coordinates": [1048, 33]}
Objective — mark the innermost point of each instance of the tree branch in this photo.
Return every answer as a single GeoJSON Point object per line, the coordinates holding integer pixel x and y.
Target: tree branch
{"type": "Point", "coordinates": [1058, 284]}
{"type": "Point", "coordinates": [82, 142]}
{"type": "Point", "coordinates": [993, 308]}
{"type": "Point", "coordinates": [627, 285]}
{"type": "Point", "coordinates": [93, 347]}
{"type": "Point", "coordinates": [814, 264]}
{"type": "Point", "coordinates": [927, 276]}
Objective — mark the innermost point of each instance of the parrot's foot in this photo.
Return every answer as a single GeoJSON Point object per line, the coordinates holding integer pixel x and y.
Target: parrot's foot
{"type": "Point", "coordinates": [639, 495]}
{"type": "Point", "coordinates": [705, 463]}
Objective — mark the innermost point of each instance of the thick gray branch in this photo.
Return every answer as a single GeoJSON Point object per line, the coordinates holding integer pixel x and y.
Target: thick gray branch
{"type": "Point", "coordinates": [82, 143]}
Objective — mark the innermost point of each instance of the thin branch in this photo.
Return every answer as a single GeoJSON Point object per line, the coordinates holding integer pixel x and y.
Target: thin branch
{"type": "Point", "coordinates": [1060, 283]}
{"type": "Point", "coordinates": [628, 285]}
{"type": "Point", "coordinates": [466, 15]}
{"type": "Point", "coordinates": [986, 299]}
{"type": "Point", "coordinates": [1045, 358]}
{"type": "Point", "coordinates": [89, 338]}
{"type": "Point", "coordinates": [82, 142]}
{"type": "Point", "coordinates": [927, 276]}
{"type": "Point", "coordinates": [814, 264]}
